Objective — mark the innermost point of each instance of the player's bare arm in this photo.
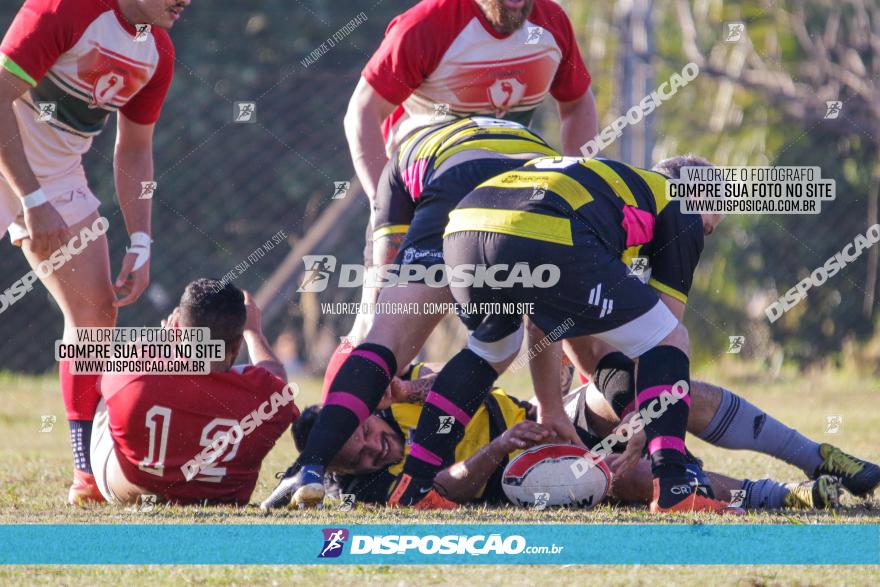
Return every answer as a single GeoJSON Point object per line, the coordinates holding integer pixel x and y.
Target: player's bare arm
{"type": "Point", "coordinates": [258, 347]}
{"type": "Point", "coordinates": [47, 229]}
{"type": "Point", "coordinates": [579, 123]}
{"type": "Point", "coordinates": [363, 129]}
{"type": "Point", "coordinates": [544, 368]}
{"type": "Point", "coordinates": [133, 169]}
{"type": "Point", "coordinates": [462, 481]}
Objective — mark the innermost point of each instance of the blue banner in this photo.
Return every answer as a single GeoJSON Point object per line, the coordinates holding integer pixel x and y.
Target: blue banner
{"type": "Point", "coordinates": [439, 544]}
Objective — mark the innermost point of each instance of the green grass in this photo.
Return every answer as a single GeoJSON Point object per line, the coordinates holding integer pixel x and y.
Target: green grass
{"type": "Point", "coordinates": [35, 469]}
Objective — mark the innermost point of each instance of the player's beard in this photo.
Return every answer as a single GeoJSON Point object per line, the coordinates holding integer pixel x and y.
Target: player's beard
{"type": "Point", "coordinates": [505, 20]}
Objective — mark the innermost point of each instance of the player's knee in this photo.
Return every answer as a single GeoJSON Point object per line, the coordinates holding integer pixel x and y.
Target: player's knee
{"type": "Point", "coordinates": [678, 338]}
{"type": "Point", "coordinates": [98, 310]}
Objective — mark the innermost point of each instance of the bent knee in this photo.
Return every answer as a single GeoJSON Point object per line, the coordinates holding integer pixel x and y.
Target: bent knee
{"type": "Point", "coordinates": [678, 338]}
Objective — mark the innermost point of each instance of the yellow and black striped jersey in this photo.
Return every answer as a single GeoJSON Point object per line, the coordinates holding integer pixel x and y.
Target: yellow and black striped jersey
{"type": "Point", "coordinates": [497, 413]}
{"type": "Point", "coordinates": [559, 199]}
{"type": "Point", "coordinates": [428, 153]}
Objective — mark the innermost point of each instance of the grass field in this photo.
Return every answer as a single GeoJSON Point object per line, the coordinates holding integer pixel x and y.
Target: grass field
{"type": "Point", "coordinates": [35, 468]}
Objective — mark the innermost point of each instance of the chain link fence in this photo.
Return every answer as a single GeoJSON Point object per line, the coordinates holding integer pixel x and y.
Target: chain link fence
{"type": "Point", "coordinates": [226, 189]}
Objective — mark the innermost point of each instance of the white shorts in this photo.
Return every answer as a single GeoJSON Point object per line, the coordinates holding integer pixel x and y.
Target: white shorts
{"type": "Point", "coordinates": [74, 206]}
{"type": "Point", "coordinates": [638, 336]}
{"type": "Point", "coordinates": [108, 476]}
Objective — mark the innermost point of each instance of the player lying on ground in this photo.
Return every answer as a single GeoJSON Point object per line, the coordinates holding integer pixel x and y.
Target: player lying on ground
{"type": "Point", "coordinates": [719, 417]}
{"type": "Point", "coordinates": [502, 427]}
{"type": "Point", "coordinates": [150, 428]}
{"type": "Point", "coordinates": [445, 59]}
{"type": "Point", "coordinates": [432, 171]}
{"type": "Point", "coordinates": [592, 213]}
{"type": "Point", "coordinates": [65, 67]}
{"type": "Point", "coordinates": [434, 168]}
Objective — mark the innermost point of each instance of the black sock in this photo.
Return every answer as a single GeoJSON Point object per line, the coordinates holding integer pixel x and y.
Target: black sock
{"type": "Point", "coordinates": [666, 420]}
{"type": "Point", "coordinates": [80, 443]}
{"type": "Point", "coordinates": [460, 389]}
{"type": "Point", "coordinates": [615, 378]}
{"type": "Point", "coordinates": [354, 394]}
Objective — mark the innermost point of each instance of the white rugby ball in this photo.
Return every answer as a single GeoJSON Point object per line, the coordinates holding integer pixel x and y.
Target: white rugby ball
{"type": "Point", "coordinates": [556, 475]}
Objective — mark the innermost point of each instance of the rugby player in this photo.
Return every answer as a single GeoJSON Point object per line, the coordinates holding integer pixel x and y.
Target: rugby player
{"type": "Point", "coordinates": [430, 173]}
{"type": "Point", "coordinates": [500, 428]}
{"type": "Point", "coordinates": [65, 67]}
{"type": "Point", "coordinates": [443, 59]}
{"type": "Point", "coordinates": [149, 428]}
{"type": "Point", "coordinates": [717, 415]}
{"type": "Point", "coordinates": [592, 213]}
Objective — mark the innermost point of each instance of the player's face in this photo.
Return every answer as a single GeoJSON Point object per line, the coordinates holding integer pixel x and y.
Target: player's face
{"type": "Point", "coordinates": [372, 447]}
{"type": "Point", "coordinates": [506, 15]}
{"type": "Point", "coordinates": [162, 13]}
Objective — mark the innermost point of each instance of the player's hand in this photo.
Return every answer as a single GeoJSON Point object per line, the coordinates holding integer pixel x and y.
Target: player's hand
{"type": "Point", "coordinates": [412, 391]}
{"type": "Point", "coordinates": [632, 454]}
{"type": "Point", "coordinates": [521, 436]}
{"type": "Point", "coordinates": [131, 283]}
{"type": "Point", "coordinates": [254, 316]}
{"type": "Point", "coordinates": [46, 228]}
{"type": "Point", "coordinates": [173, 319]}
{"type": "Point", "coordinates": [560, 425]}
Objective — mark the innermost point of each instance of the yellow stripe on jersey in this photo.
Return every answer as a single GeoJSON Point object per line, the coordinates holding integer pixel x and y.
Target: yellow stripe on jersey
{"type": "Point", "coordinates": [413, 137]}
{"type": "Point", "coordinates": [657, 182]}
{"type": "Point", "coordinates": [391, 229]}
{"type": "Point", "coordinates": [630, 254]}
{"type": "Point", "coordinates": [429, 146]}
{"type": "Point", "coordinates": [504, 146]}
{"type": "Point", "coordinates": [459, 135]}
{"type": "Point", "coordinates": [543, 227]}
{"type": "Point", "coordinates": [476, 433]}
{"type": "Point", "coordinates": [662, 287]}
{"type": "Point", "coordinates": [560, 184]}
{"type": "Point", "coordinates": [613, 179]}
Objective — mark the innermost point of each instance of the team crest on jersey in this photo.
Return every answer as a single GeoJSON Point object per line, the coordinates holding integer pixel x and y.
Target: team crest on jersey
{"type": "Point", "coordinates": [108, 77]}
{"type": "Point", "coordinates": [506, 93]}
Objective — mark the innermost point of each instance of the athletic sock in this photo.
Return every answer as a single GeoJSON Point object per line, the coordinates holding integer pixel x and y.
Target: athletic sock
{"type": "Point", "coordinates": [80, 443]}
{"type": "Point", "coordinates": [354, 394]}
{"type": "Point", "coordinates": [334, 364]}
{"type": "Point", "coordinates": [659, 370]}
{"type": "Point", "coordinates": [460, 388]}
{"type": "Point", "coordinates": [615, 378]}
{"type": "Point", "coordinates": [764, 494]}
{"type": "Point", "coordinates": [81, 394]}
{"type": "Point", "coordinates": [740, 425]}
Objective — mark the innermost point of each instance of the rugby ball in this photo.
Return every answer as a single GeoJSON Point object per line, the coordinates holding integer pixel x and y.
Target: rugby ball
{"type": "Point", "coordinates": [556, 475]}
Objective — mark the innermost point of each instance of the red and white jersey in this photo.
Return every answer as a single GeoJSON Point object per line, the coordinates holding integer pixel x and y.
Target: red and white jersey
{"type": "Point", "coordinates": [87, 60]}
{"type": "Point", "coordinates": [443, 59]}
{"type": "Point", "coordinates": [160, 423]}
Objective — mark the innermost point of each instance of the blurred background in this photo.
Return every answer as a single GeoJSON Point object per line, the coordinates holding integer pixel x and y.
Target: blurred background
{"type": "Point", "coordinates": [226, 188]}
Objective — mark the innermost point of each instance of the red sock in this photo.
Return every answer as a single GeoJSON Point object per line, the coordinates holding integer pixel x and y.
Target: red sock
{"type": "Point", "coordinates": [336, 360]}
{"type": "Point", "coordinates": [81, 393]}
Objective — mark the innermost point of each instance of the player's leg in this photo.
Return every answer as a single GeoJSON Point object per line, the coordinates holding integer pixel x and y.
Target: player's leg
{"type": "Point", "coordinates": [391, 213]}
{"type": "Point", "coordinates": [463, 383]}
{"type": "Point", "coordinates": [358, 387]}
{"type": "Point", "coordinates": [82, 288]}
{"type": "Point", "coordinates": [460, 389]}
{"type": "Point", "coordinates": [729, 421]}
{"type": "Point", "coordinates": [768, 494]}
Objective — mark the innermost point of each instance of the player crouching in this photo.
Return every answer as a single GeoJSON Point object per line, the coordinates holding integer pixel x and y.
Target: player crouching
{"type": "Point", "coordinates": [150, 429]}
